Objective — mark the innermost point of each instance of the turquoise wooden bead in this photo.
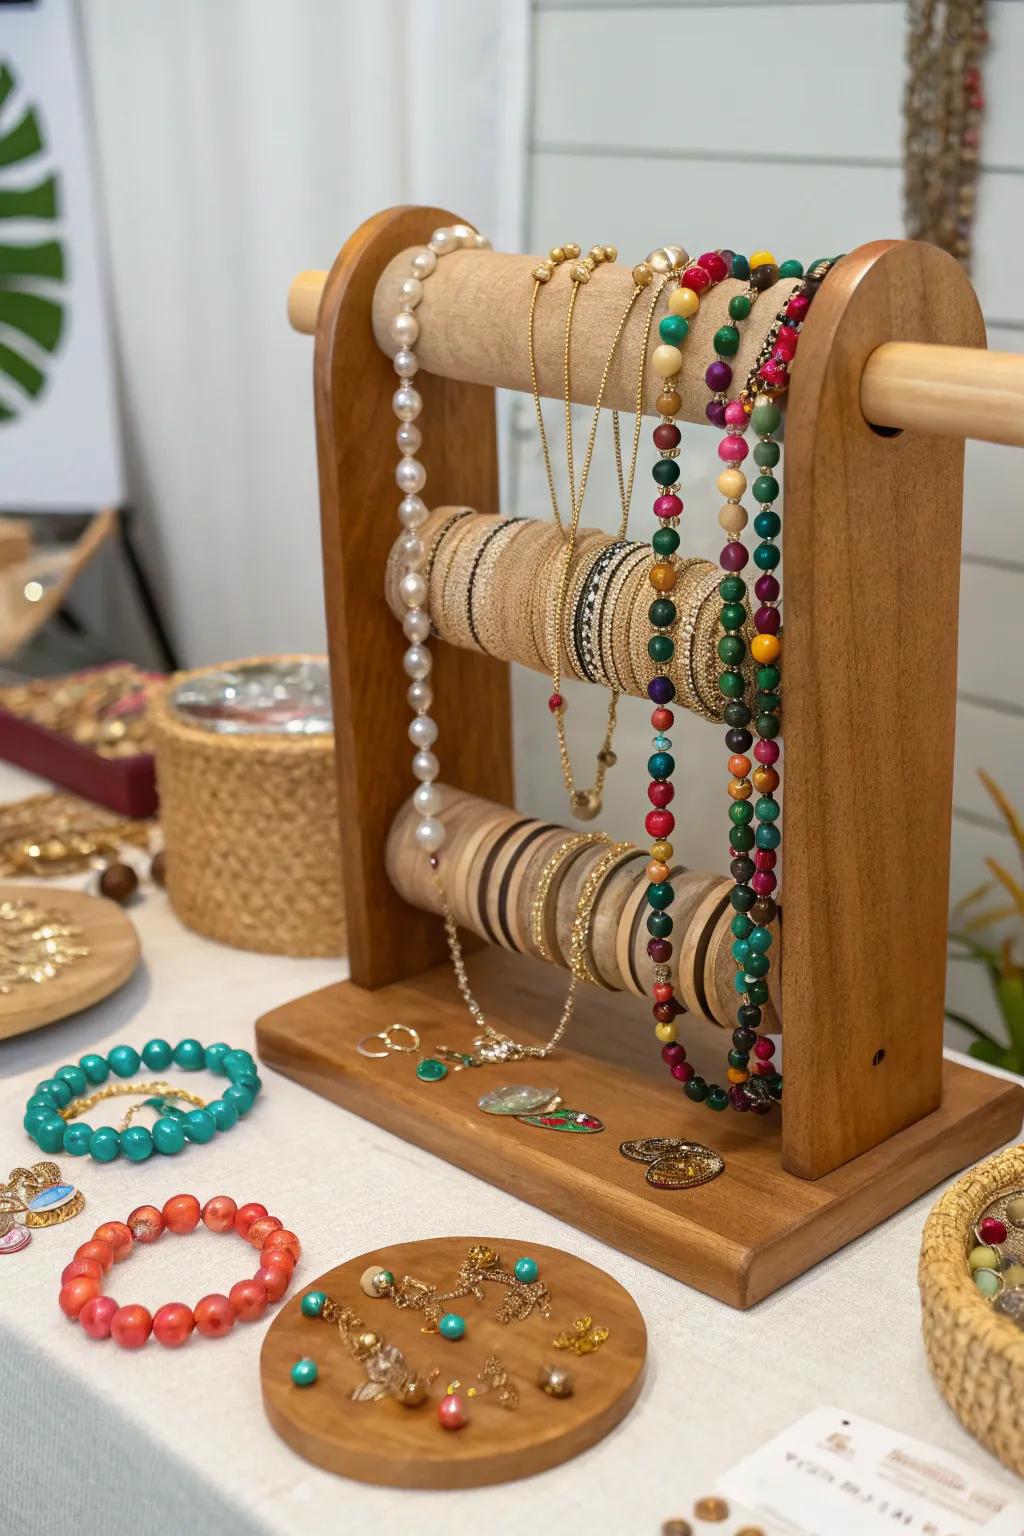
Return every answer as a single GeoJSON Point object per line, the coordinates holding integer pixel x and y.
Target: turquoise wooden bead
{"type": "Point", "coordinates": [760, 940]}
{"type": "Point", "coordinates": [200, 1126]}
{"type": "Point", "coordinates": [168, 1136]}
{"type": "Point", "coordinates": [238, 1064]}
{"type": "Point", "coordinates": [42, 1101]}
{"type": "Point", "coordinates": [741, 926]}
{"type": "Point", "coordinates": [173, 1112]}
{"type": "Point", "coordinates": [49, 1134]}
{"type": "Point", "coordinates": [452, 1326]}
{"type": "Point", "coordinates": [767, 809]}
{"type": "Point", "coordinates": [768, 836]}
{"type": "Point", "coordinates": [77, 1137]}
{"type": "Point", "coordinates": [95, 1068]}
{"type": "Point", "coordinates": [57, 1088]}
{"type": "Point", "coordinates": [124, 1060]}
{"type": "Point", "coordinates": [241, 1098]}
{"type": "Point", "coordinates": [189, 1055]}
{"type": "Point", "coordinates": [215, 1057]}
{"type": "Point", "coordinates": [741, 951]}
{"type": "Point", "coordinates": [526, 1270]}
{"type": "Point", "coordinates": [35, 1117]}
{"type": "Point", "coordinates": [157, 1055]}
{"type": "Point", "coordinates": [304, 1372]}
{"type": "Point", "coordinates": [105, 1144]}
{"type": "Point", "coordinates": [313, 1303]}
{"type": "Point", "coordinates": [136, 1143]}
{"type": "Point", "coordinates": [224, 1115]}
{"type": "Point", "coordinates": [673, 329]}
{"type": "Point", "coordinates": [74, 1077]}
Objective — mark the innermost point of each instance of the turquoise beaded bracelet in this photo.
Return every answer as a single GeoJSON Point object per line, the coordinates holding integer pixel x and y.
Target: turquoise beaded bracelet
{"type": "Point", "coordinates": [51, 1132]}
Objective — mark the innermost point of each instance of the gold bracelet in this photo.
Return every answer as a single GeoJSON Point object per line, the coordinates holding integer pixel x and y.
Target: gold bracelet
{"type": "Point", "coordinates": [579, 943]}
{"type": "Point", "coordinates": [82, 1106]}
{"type": "Point", "coordinates": [574, 843]}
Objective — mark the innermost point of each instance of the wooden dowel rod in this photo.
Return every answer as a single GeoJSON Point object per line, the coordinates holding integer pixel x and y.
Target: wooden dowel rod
{"type": "Point", "coordinates": [916, 386]}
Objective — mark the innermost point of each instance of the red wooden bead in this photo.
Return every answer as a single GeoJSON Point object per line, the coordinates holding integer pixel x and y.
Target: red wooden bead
{"type": "Point", "coordinates": [261, 1229]}
{"type": "Point", "coordinates": [666, 435]}
{"type": "Point", "coordinates": [75, 1293]}
{"type": "Point", "coordinates": [662, 992]}
{"type": "Point", "coordinates": [714, 265]}
{"type": "Point", "coordinates": [275, 1278]}
{"type": "Point", "coordinates": [95, 1316]}
{"type": "Point", "coordinates": [215, 1316]}
{"type": "Point", "coordinates": [696, 278]}
{"type": "Point", "coordinates": [249, 1299]}
{"type": "Point", "coordinates": [247, 1214]}
{"type": "Point", "coordinates": [181, 1214]}
{"type": "Point", "coordinates": [118, 1235]}
{"type": "Point", "coordinates": [89, 1267]}
{"type": "Point", "coordinates": [991, 1230]}
{"type": "Point", "coordinates": [661, 792]}
{"type": "Point", "coordinates": [131, 1326]}
{"type": "Point", "coordinates": [662, 718]}
{"type": "Point", "coordinates": [173, 1324]}
{"type": "Point", "coordinates": [282, 1240]}
{"type": "Point", "coordinates": [102, 1252]}
{"type": "Point", "coordinates": [219, 1213]}
{"type": "Point", "coordinates": [146, 1223]}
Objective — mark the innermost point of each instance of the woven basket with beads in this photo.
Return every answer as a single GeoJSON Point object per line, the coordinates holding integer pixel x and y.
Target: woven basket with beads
{"type": "Point", "coordinates": [976, 1355]}
{"type": "Point", "coordinates": [251, 830]}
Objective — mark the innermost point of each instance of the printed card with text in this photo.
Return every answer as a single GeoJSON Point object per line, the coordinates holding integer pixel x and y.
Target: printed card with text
{"type": "Point", "coordinates": [835, 1474]}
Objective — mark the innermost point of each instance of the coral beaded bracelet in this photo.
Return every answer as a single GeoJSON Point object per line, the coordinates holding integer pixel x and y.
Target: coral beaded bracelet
{"type": "Point", "coordinates": [50, 1114]}
{"type": "Point", "coordinates": [171, 1325]}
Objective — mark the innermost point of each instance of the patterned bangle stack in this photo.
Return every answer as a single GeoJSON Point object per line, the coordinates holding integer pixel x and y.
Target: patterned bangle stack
{"type": "Point", "coordinates": [50, 1114]}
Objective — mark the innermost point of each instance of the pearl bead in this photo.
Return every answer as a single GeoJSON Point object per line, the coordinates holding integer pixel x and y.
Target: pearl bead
{"type": "Point", "coordinates": [423, 731]}
{"type": "Point", "coordinates": [405, 328]}
{"type": "Point", "coordinates": [412, 589]}
{"type": "Point", "coordinates": [430, 835]}
{"type": "Point", "coordinates": [412, 552]}
{"type": "Point", "coordinates": [425, 767]}
{"type": "Point", "coordinates": [417, 662]}
{"type": "Point", "coordinates": [423, 263]}
{"type": "Point", "coordinates": [411, 291]}
{"type": "Point", "coordinates": [407, 402]}
{"type": "Point", "coordinates": [482, 243]}
{"type": "Point", "coordinates": [410, 476]}
{"type": "Point", "coordinates": [666, 361]}
{"type": "Point", "coordinates": [442, 242]}
{"type": "Point", "coordinates": [409, 438]}
{"type": "Point", "coordinates": [427, 799]}
{"type": "Point", "coordinates": [419, 696]}
{"type": "Point", "coordinates": [464, 233]}
{"type": "Point", "coordinates": [405, 363]}
{"type": "Point", "coordinates": [733, 518]}
{"type": "Point", "coordinates": [412, 511]}
{"type": "Point", "coordinates": [416, 624]}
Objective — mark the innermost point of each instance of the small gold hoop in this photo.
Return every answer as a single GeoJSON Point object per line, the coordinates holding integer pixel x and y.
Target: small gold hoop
{"type": "Point", "coordinates": [373, 1055]}
{"type": "Point", "coordinates": [404, 1029]}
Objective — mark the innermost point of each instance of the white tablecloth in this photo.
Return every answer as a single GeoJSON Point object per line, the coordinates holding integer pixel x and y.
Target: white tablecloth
{"type": "Point", "coordinates": [97, 1440]}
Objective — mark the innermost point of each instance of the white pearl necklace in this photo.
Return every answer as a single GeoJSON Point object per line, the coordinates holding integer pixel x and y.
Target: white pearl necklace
{"type": "Point", "coordinates": [410, 476]}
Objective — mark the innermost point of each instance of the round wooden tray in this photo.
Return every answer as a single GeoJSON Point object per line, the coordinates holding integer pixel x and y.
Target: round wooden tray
{"type": "Point", "coordinates": [113, 947]}
{"type": "Point", "coordinates": [382, 1442]}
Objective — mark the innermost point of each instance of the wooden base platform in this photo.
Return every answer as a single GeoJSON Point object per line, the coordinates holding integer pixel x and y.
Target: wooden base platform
{"type": "Point", "coordinates": [738, 1238]}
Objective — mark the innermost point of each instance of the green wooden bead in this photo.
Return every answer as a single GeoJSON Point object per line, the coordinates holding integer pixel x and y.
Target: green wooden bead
{"type": "Point", "coordinates": [731, 650]}
{"type": "Point", "coordinates": [124, 1060]}
{"type": "Point", "coordinates": [189, 1056]}
{"type": "Point", "coordinates": [731, 684]}
{"type": "Point", "coordinates": [157, 1055]}
{"type": "Point", "coordinates": [673, 329]}
{"type": "Point", "coordinates": [741, 926]}
{"type": "Point", "coordinates": [741, 839]}
{"type": "Point", "coordinates": [661, 765]}
{"type": "Point", "coordinates": [717, 1098]}
{"type": "Point", "coordinates": [740, 813]}
{"type": "Point", "coordinates": [765, 418]}
{"type": "Point", "coordinates": [74, 1077]}
{"type": "Point", "coordinates": [758, 965]}
{"type": "Point", "coordinates": [662, 613]}
{"type": "Point", "coordinates": [665, 541]}
{"type": "Point", "coordinates": [660, 648]}
{"type": "Point", "coordinates": [659, 925]}
{"type": "Point", "coordinates": [791, 268]}
{"type": "Point", "coordinates": [136, 1143]}
{"type": "Point", "coordinates": [659, 895]}
{"type": "Point", "coordinates": [733, 616]}
{"type": "Point", "coordinates": [168, 1136]}
{"type": "Point", "coordinates": [105, 1144]}
{"type": "Point", "coordinates": [760, 940]}
{"type": "Point", "coordinates": [757, 991]}
{"type": "Point", "coordinates": [696, 1089]}
{"type": "Point", "coordinates": [767, 455]}
{"type": "Point", "coordinates": [727, 341]}
{"type": "Point", "coordinates": [767, 556]}
{"type": "Point", "coordinates": [731, 589]}
{"type": "Point", "coordinates": [665, 471]}
{"type": "Point", "coordinates": [765, 488]}
{"type": "Point", "coordinates": [740, 267]}
{"type": "Point", "coordinates": [77, 1137]}
{"type": "Point", "coordinates": [767, 525]}
{"type": "Point", "coordinates": [768, 726]}
{"type": "Point", "coordinates": [739, 306]}
{"type": "Point", "coordinates": [768, 677]}
{"type": "Point", "coordinates": [738, 1059]}
{"type": "Point", "coordinates": [94, 1067]}
{"type": "Point", "coordinates": [768, 702]}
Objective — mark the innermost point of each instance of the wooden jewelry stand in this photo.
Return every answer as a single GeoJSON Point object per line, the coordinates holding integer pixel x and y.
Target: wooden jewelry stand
{"type": "Point", "coordinates": [873, 1115]}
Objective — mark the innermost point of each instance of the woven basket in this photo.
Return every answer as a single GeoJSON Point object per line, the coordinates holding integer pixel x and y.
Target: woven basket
{"type": "Point", "coordinates": [251, 830]}
{"type": "Point", "coordinates": [976, 1355]}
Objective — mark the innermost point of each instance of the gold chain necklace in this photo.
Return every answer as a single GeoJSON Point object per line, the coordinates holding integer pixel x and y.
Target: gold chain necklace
{"type": "Point", "coordinates": [584, 804]}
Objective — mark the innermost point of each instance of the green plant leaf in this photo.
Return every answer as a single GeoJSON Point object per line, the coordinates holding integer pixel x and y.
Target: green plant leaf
{"type": "Point", "coordinates": [989, 1051]}
{"type": "Point", "coordinates": [1010, 996]}
{"type": "Point", "coordinates": [972, 1028]}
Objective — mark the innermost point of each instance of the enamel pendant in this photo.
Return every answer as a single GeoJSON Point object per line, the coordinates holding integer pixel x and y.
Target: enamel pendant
{"type": "Point", "coordinates": [574, 1120]}
{"type": "Point", "coordinates": [14, 1239]}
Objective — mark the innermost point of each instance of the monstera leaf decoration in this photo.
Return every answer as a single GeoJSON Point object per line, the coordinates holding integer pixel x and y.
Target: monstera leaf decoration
{"type": "Point", "coordinates": [32, 311]}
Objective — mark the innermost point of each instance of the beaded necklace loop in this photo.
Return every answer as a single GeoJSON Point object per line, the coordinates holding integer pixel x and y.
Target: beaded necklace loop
{"type": "Point", "coordinates": [51, 1114]}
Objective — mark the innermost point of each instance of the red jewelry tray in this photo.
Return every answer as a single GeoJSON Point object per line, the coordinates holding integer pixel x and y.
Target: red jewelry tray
{"type": "Point", "coordinates": [124, 784]}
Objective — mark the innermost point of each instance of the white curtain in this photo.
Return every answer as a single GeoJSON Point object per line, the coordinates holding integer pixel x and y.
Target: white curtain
{"type": "Point", "coordinates": [239, 141]}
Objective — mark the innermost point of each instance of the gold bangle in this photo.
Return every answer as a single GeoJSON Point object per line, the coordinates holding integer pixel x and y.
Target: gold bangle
{"type": "Point", "coordinates": [569, 845]}
{"type": "Point", "coordinates": [579, 942]}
